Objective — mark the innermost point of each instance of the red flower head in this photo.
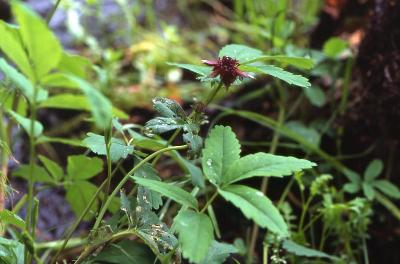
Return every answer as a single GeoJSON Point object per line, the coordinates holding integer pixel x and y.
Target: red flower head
{"type": "Point", "coordinates": [227, 68]}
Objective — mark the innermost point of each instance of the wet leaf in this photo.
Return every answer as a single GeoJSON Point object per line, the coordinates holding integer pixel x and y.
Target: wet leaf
{"type": "Point", "coordinates": [195, 234]}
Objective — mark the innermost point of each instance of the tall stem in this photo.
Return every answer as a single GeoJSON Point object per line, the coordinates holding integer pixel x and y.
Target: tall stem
{"type": "Point", "coordinates": [264, 183]}
{"type": "Point", "coordinates": [53, 11]}
{"type": "Point", "coordinates": [30, 224]}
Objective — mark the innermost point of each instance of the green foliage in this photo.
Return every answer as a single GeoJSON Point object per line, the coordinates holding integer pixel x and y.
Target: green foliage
{"type": "Point", "coordinates": [316, 96]}
{"type": "Point", "coordinates": [173, 192]}
{"type": "Point", "coordinates": [256, 206]}
{"type": "Point", "coordinates": [196, 234]}
{"type": "Point", "coordinates": [263, 164]}
{"type": "Point", "coordinates": [222, 163]}
{"type": "Point", "coordinates": [38, 40]}
{"type": "Point", "coordinates": [10, 218]}
{"type": "Point", "coordinates": [333, 47]}
{"type": "Point", "coordinates": [53, 168]}
{"type": "Point", "coordinates": [299, 62]}
{"type": "Point", "coordinates": [10, 44]}
{"type": "Point", "coordinates": [80, 167]}
{"type": "Point", "coordinates": [200, 70]}
{"type": "Point", "coordinates": [221, 150]}
{"type": "Point", "coordinates": [11, 251]}
{"type": "Point", "coordinates": [118, 150]}
{"type": "Point", "coordinates": [154, 198]}
{"type": "Point", "coordinates": [300, 250]}
{"type": "Point", "coordinates": [173, 117]}
{"type": "Point", "coordinates": [279, 73]}
{"type": "Point", "coordinates": [38, 172]}
{"type": "Point", "coordinates": [124, 252]}
{"type": "Point", "coordinates": [250, 60]}
{"type": "Point", "coordinates": [79, 193]}
{"type": "Point", "coordinates": [240, 52]}
{"type": "Point", "coordinates": [21, 82]}
{"type": "Point", "coordinates": [100, 106]}
{"type": "Point", "coordinates": [218, 253]}
{"type": "Point", "coordinates": [26, 124]}
{"type": "Point", "coordinates": [370, 184]}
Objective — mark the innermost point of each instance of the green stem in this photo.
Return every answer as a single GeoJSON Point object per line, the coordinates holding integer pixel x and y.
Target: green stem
{"type": "Point", "coordinates": [286, 191]}
{"type": "Point", "coordinates": [32, 154]}
{"type": "Point", "coordinates": [78, 221]}
{"type": "Point", "coordinates": [52, 12]}
{"type": "Point", "coordinates": [388, 204]}
{"type": "Point", "coordinates": [108, 141]}
{"type": "Point", "coordinates": [264, 183]}
{"type": "Point", "coordinates": [265, 254]}
{"type": "Point", "coordinates": [57, 244]}
{"type": "Point", "coordinates": [303, 212]}
{"type": "Point", "coordinates": [209, 202]}
{"type": "Point", "coordinates": [126, 178]}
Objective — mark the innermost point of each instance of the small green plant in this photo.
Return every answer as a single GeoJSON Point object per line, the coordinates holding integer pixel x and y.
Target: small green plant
{"type": "Point", "coordinates": [370, 185]}
{"type": "Point", "coordinates": [114, 180]}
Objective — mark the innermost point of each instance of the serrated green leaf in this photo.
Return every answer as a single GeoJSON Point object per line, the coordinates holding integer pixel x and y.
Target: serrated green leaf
{"type": "Point", "coordinates": [200, 70]}
{"type": "Point", "coordinates": [21, 82]}
{"type": "Point", "coordinates": [263, 164]}
{"type": "Point", "coordinates": [255, 205]}
{"type": "Point", "coordinates": [373, 170]}
{"type": "Point", "coordinates": [11, 45]}
{"type": "Point", "coordinates": [316, 96]}
{"type": "Point", "coordinates": [39, 173]}
{"type": "Point", "coordinates": [240, 52]}
{"type": "Point", "coordinates": [53, 168]}
{"type": "Point", "coordinates": [128, 206]}
{"type": "Point", "coordinates": [26, 124]}
{"type": "Point", "coordinates": [43, 47]}
{"type": "Point", "coordinates": [125, 252]}
{"type": "Point", "coordinates": [11, 218]}
{"type": "Point", "coordinates": [194, 142]}
{"type": "Point", "coordinates": [387, 188]}
{"type": "Point", "coordinates": [368, 190]}
{"type": "Point", "coordinates": [147, 198]}
{"type": "Point", "coordinates": [300, 250]}
{"type": "Point", "coordinates": [173, 192]}
{"type": "Point", "coordinates": [221, 150]}
{"type": "Point", "coordinates": [168, 108]}
{"type": "Point", "coordinates": [195, 234]}
{"type": "Point", "coordinates": [79, 194]}
{"type": "Point", "coordinates": [118, 150]}
{"type": "Point", "coordinates": [218, 253]}
{"type": "Point", "coordinates": [161, 125]}
{"type": "Point", "coordinates": [279, 73]}
{"type": "Point", "coordinates": [100, 106]}
{"type": "Point", "coordinates": [299, 62]}
{"type": "Point", "coordinates": [81, 167]}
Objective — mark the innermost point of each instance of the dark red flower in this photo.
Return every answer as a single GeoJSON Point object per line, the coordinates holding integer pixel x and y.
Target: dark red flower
{"type": "Point", "coordinates": [227, 68]}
